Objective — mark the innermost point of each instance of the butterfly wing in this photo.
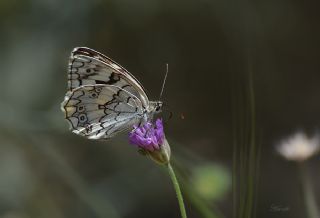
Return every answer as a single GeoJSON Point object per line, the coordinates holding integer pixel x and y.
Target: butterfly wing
{"type": "Point", "coordinates": [89, 67]}
{"type": "Point", "coordinates": [101, 111]}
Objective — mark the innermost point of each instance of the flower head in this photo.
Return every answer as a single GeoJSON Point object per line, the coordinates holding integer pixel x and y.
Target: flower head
{"type": "Point", "coordinates": [299, 147]}
{"type": "Point", "coordinates": [148, 136]}
{"type": "Point", "coordinates": [151, 140]}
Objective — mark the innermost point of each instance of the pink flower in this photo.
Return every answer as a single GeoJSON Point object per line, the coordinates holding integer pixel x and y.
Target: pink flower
{"type": "Point", "coordinates": [148, 136]}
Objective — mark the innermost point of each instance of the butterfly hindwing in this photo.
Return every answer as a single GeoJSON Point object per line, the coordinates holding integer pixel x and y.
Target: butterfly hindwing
{"type": "Point", "coordinates": [100, 111]}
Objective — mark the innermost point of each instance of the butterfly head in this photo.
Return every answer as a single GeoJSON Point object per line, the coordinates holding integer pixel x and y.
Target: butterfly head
{"type": "Point", "coordinates": [155, 106]}
{"type": "Point", "coordinates": [158, 106]}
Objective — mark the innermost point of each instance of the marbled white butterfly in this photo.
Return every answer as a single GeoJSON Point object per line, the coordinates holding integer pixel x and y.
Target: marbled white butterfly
{"type": "Point", "coordinates": [103, 98]}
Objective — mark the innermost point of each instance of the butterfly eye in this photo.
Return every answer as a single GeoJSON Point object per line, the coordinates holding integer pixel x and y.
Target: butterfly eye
{"type": "Point", "coordinates": [158, 108]}
{"type": "Point", "coordinates": [83, 118]}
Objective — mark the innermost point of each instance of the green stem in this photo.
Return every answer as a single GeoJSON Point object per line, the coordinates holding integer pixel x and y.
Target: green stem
{"type": "Point", "coordinates": [178, 191]}
{"type": "Point", "coordinates": [308, 192]}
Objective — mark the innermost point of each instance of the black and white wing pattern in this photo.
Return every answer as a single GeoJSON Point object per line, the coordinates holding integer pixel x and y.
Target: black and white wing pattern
{"type": "Point", "coordinates": [103, 98]}
{"type": "Point", "coordinates": [101, 111]}
{"type": "Point", "coordinates": [89, 67]}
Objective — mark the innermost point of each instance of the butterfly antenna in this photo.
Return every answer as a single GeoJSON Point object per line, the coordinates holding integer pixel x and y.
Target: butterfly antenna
{"type": "Point", "coordinates": [164, 80]}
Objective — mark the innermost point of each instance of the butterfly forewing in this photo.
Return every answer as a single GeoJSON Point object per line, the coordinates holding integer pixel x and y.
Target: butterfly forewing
{"type": "Point", "coordinates": [100, 111]}
{"type": "Point", "coordinates": [89, 67]}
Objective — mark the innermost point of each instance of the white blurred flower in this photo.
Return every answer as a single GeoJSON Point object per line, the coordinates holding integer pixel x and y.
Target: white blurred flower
{"type": "Point", "coordinates": [299, 147]}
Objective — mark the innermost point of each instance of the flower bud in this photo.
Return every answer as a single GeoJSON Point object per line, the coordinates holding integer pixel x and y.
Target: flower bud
{"type": "Point", "coordinates": [162, 155]}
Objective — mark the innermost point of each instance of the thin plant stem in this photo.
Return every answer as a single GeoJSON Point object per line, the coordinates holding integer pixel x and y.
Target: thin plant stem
{"type": "Point", "coordinates": [178, 191]}
{"type": "Point", "coordinates": [308, 192]}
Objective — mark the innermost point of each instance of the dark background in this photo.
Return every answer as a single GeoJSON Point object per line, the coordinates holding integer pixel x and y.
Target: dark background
{"type": "Point", "coordinates": [46, 171]}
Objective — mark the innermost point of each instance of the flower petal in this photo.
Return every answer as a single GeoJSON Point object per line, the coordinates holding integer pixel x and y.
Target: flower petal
{"type": "Point", "coordinates": [148, 136]}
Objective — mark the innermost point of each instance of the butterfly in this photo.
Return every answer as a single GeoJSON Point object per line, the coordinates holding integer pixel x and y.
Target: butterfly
{"type": "Point", "coordinates": [103, 98]}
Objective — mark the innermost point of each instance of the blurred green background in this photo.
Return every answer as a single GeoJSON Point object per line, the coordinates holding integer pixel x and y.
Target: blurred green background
{"type": "Point", "coordinates": [210, 45]}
